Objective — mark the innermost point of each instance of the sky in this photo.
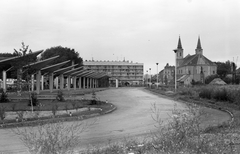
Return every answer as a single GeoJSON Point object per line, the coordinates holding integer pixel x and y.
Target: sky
{"type": "Point", "coordinates": [143, 31]}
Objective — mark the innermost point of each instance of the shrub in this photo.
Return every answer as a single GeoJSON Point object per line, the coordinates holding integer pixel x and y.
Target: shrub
{"type": "Point", "coordinates": [59, 96]}
{"type": "Point", "coordinates": [20, 115]}
{"type": "Point", "coordinates": [13, 106]}
{"type": "Point", "coordinates": [94, 98]}
{"type": "Point", "coordinates": [2, 112]}
{"type": "Point", "coordinates": [54, 138]}
{"type": "Point", "coordinates": [205, 93]}
{"type": "Point", "coordinates": [33, 101]}
{"type": "Point", "coordinates": [220, 94]}
{"type": "Point", "coordinates": [4, 97]}
{"type": "Point", "coordinates": [54, 109]}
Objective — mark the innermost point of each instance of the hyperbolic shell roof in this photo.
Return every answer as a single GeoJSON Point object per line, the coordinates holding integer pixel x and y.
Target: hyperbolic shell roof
{"type": "Point", "coordinates": [52, 68]}
{"type": "Point", "coordinates": [62, 70]}
{"type": "Point", "coordinates": [40, 64]}
{"type": "Point", "coordinates": [19, 58]}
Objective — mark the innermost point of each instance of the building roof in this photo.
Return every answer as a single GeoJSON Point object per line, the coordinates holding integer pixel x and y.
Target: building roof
{"type": "Point", "coordinates": [93, 63]}
{"type": "Point", "coordinates": [196, 59]}
{"type": "Point", "coordinates": [183, 78]}
{"type": "Point", "coordinates": [217, 81]}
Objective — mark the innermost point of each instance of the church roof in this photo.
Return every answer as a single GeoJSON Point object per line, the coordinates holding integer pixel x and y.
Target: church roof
{"type": "Point", "coordinates": [196, 59]}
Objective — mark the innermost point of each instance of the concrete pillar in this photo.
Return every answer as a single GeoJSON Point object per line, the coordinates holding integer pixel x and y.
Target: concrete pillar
{"type": "Point", "coordinates": [96, 83]}
{"type": "Point", "coordinates": [4, 74]}
{"type": "Point", "coordinates": [80, 82]}
{"type": "Point", "coordinates": [87, 83]}
{"type": "Point", "coordinates": [69, 82]}
{"type": "Point", "coordinates": [116, 83]}
{"type": "Point", "coordinates": [61, 81]}
{"type": "Point", "coordinates": [42, 82]}
{"type": "Point", "coordinates": [38, 82]}
{"type": "Point", "coordinates": [56, 82]}
{"type": "Point", "coordinates": [90, 83]}
{"type": "Point", "coordinates": [51, 82]}
{"type": "Point", "coordinates": [74, 83]}
{"type": "Point", "coordinates": [32, 82]}
{"type": "Point", "coordinates": [84, 82]}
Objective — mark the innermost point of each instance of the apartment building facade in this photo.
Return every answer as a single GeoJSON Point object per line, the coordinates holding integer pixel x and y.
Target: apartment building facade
{"type": "Point", "coordinates": [125, 73]}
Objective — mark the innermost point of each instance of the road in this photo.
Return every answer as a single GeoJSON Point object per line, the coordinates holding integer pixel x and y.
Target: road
{"type": "Point", "coordinates": [133, 118]}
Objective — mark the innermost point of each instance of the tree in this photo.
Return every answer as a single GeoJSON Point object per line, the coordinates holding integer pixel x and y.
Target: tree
{"type": "Point", "coordinates": [223, 69]}
{"type": "Point", "coordinates": [209, 78]}
{"type": "Point", "coordinates": [64, 55]}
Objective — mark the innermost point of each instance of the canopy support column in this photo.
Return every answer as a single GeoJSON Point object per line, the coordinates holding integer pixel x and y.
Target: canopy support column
{"type": "Point", "coordinates": [51, 82]}
{"type": "Point", "coordinates": [69, 82]}
{"type": "Point", "coordinates": [4, 74]}
{"type": "Point", "coordinates": [74, 82]}
{"type": "Point", "coordinates": [84, 80]}
{"type": "Point", "coordinates": [80, 82]}
{"type": "Point", "coordinates": [38, 82]}
{"type": "Point", "coordinates": [61, 81]}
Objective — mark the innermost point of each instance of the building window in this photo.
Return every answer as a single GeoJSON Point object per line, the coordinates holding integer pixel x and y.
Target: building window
{"type": "Point", "coordinates": [213, 72]}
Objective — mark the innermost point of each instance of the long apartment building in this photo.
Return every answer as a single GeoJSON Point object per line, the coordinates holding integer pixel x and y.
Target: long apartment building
{"type": "Point", "coordinates": [125, 72]}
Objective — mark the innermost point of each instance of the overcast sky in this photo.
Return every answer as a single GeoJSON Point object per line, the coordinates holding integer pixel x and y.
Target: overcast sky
{"type": "Point", "coordinates": [141, 31]}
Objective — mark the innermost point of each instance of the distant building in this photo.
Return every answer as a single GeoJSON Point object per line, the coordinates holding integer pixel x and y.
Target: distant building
{"type": "Point", "coordinates": [168, 74]}
{"type": "Point", "coordinates": [193, 67]}
{"type": "Point", "coordinates": [127, 73]}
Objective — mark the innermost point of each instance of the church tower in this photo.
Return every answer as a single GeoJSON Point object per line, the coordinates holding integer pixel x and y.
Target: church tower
{"type": "Point", "coordinates": [179, 52]}
{"type": "Point", "coordinates": [199, 49]}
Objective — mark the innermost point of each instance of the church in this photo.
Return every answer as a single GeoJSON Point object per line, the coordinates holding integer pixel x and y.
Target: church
{"type": "Point", "coordinates": [193, 68]}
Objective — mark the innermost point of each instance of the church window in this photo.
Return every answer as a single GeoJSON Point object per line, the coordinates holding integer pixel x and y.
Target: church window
{"type": "Point", "coordinates": [213, 72]}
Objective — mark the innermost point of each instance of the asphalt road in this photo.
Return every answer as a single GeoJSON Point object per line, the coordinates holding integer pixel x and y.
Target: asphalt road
{"type": "Point", "coordinates": [133, 118]}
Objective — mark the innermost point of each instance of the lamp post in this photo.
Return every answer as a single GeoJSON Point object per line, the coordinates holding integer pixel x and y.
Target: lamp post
{"type": "Point", "coordinates": [175, 51]}
{"type": "Point", "coordinates": [150, 75]}
{"type": "Point", "coordinates": [157, 75]}
{"type": "Point", "coordinates": [147, 77]}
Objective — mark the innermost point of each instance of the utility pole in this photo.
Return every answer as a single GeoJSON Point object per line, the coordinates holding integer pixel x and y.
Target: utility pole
{"type": "Point", "coordinates": [157, 75]}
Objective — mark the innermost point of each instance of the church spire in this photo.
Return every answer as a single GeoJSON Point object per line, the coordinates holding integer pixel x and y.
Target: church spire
{"type": "Point", "coordinates": [199, 49]}
{"type": "Point", "coordinates": [199, 43]}
{"type": "Point", "coordinates": [179, 43]}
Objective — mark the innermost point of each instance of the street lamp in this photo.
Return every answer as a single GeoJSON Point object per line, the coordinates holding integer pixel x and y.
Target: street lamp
{"type": "Point", "coordinates": [147, 77]}
{"type": "Point", "coordinates": [157, 75]}
{"type": "Point", "coordinates": [175, 51]}
{"type": "Point", "coordinates": [150, 75]}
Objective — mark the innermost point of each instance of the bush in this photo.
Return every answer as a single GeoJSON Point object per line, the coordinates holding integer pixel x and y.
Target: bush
{"type": "Point", "coordinates": [53, 138]}
{"type": "Point", "coordinates": [220, 94]}
{"type": "Point", "coordinates": [4, 97]}
{"type": "Point", "coordinates": [54, 109]}
{"type": "Point", "coordinates": [205, 93]}
{"type": "Point", "coordinates": [33, 101]}
{"type": "Point", "coordinates": [2, 112]}
{"type": "Point", "coordinates": [59, 96]}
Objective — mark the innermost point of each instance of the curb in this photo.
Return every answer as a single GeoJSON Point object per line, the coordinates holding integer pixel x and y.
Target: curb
{"type": "Point", "coordinates": [64, 119]}
{"type": "Point", "coordinates": [210, 106]}
{"type": "Point", "coordinates": [110, 110]}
